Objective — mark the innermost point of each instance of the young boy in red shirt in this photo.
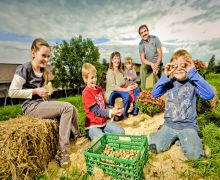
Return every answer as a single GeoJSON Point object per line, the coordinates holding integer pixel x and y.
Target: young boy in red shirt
{"type": "Point", "coordinates": [95, 106]}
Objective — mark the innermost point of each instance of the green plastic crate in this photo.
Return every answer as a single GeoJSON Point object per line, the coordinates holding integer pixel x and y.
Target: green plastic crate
{"type": "Point", "coordinates": [118, 168]}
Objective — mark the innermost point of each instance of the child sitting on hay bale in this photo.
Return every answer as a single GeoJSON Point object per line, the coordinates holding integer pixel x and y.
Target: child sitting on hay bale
{"type": "Point", "coordinates": [28, 83]}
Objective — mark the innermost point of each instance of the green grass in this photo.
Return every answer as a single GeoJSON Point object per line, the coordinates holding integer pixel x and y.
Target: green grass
{"type": "Point", "coordinates": [214, 80]}
{"type": "Point", "coordinates": [209, 167]}
{"type": "Point", "coordinates": [8, 112]}
{"type": "Point", "coordinates": [209, 123]}
{"type": "Point", "coordinates": [53, 172]}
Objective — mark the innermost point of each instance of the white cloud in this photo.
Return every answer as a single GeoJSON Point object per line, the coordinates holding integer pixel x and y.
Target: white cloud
{"type": "Point", "coordinates": [165, 50]}
{"type": "Point", "coordinates": [177, 23]}
{"type": "Point", "coordinates": [16, 52]}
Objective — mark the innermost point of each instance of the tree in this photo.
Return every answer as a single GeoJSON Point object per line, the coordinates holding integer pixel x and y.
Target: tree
{"type": "Point", "coordinates": [211, 64]}
{"type": "Point", "coordinates": [104, 61]}
{"type": "Point", "coordinates": [68, 58]}
{"type": "Point", "coordinates": [105, 64]}
{"type": "Point", "coordinates": [217, 68]}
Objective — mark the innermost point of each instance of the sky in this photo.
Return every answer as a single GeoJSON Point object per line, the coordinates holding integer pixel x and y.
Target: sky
{"type": "Point", "coordinates": [112, 25]}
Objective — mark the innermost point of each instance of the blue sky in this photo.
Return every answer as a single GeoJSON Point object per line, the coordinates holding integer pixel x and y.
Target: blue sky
{"type": "Point", "coordinates": [111, 24]}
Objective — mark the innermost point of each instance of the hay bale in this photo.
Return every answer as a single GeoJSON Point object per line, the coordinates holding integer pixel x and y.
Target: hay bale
{"type": "Point", "coordinates": [27, 145]}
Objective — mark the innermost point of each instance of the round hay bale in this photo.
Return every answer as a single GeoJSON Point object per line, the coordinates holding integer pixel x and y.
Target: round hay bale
{"type": "Point", "coordinates": [27, 145]}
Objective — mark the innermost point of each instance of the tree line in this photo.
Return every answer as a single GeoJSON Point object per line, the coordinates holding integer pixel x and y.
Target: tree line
{"type": "Point", "coordinates": [68, 58]}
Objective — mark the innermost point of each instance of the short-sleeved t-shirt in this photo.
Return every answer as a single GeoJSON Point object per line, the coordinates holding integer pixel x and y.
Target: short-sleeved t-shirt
{"type": "Point", "coordinates": [91, 97]}
{"type": "Point", "coordinates": [32, 81]}
{"type": "Point", "coordinates": [150, 47]}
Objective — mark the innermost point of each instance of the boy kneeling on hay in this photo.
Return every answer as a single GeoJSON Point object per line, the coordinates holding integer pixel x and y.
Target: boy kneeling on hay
{"type": "Point", "coordinates": [182, 82]}
{"type": "Point", "coordinates": [28, 83]}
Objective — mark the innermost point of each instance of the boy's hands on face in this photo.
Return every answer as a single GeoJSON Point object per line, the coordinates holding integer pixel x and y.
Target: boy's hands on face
{"type": "Point", "coordinates": [169, 68]}
{"type": "Point", "coordinates": [189, 65]}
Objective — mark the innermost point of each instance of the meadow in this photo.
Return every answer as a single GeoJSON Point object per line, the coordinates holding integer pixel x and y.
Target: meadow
{"type": "Point", "coordinates": [209, 123]}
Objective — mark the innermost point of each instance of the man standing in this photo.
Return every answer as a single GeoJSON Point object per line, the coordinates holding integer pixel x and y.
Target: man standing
{"type": "Point", "coordinates": [151, 55]}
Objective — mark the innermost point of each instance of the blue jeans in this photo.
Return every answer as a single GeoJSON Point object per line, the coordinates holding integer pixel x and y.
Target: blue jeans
{"type": "Point", "coordinates": [110, 127]}
{"type": "Point", "coordinates": [126, 100]}
{"type": "Point", "coordinates": [189, 140]}
{"type": "Point", "coordinates": [125, 97]}
{"type": "Point", "coordinates": [136, 93]}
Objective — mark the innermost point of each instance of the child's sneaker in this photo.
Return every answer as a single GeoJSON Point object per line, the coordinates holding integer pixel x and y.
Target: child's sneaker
{"type": "Point", "coordinates": [131, 108]}
{"type": "Point", "coordinates": [63, 158]}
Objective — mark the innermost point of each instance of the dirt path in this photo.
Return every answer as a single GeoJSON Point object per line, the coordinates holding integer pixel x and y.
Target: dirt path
{"type": "Point", "coordinates": [167, 165]}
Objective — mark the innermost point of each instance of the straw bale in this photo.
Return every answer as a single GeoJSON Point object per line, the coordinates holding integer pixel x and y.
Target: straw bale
{"type": "Point", "coordinates": [27, 145]}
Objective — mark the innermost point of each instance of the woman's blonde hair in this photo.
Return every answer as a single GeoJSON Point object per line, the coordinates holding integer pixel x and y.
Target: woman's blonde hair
{"type": "Point", "coordinates": [87, 68]}
{"type": "Point", "coordinates": [36, 44]}
{"type": "Point", "coordinates": [181, 53]}
{"type": "Point", "coordinates": [116, 53]}
{"type": "Point", "coordinates": [129, 60]}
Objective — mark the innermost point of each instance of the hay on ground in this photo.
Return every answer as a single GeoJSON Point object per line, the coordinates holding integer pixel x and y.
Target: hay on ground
{"type": "Point", "coordinates": [26, 146]}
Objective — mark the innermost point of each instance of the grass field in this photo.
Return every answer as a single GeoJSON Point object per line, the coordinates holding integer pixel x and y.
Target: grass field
{"type": "Point", "coordinates": [8, 112]}
{"type": "Point", "coordinates": [214, 79]}
{"type": "Point", "coordinates": [209, 123]}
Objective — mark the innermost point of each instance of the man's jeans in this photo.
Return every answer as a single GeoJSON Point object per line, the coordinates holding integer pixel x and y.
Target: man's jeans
{"type": "Point", "coordinates": [189, 141]}
{"type": "Point", "coordinates": [110, 127]}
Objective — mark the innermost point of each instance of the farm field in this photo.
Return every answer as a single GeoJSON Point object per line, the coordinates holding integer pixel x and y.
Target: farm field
{"type": "Point", "coordinates": [168, 165]}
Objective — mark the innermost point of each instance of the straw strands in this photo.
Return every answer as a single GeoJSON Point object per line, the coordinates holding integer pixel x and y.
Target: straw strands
{"type": "Point", "coordinates": [27, 145]}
